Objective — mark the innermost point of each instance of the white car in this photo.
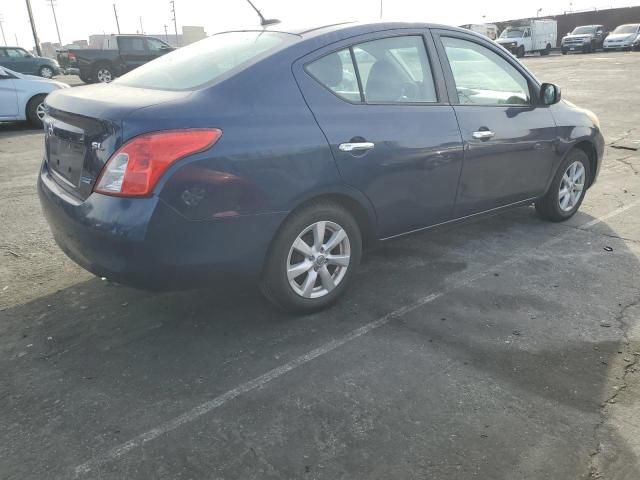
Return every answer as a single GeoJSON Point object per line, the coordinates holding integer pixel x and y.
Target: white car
{"type": "Point", "coordinates": [22, 96]}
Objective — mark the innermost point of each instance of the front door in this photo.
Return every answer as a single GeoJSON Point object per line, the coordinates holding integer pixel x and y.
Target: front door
{"type": "Point", "coordinates": [133, 52]}
{"type": "Point", "coordinates": [509, 138]}
{"type": "Point", "coordinates": [8, 96]}
{"type": "Point", "coordinates": [382, 109]}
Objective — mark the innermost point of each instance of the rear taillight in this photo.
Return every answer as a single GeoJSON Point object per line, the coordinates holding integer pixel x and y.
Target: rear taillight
{"type": "Point", "coordinates": [71, 56]}
{"type": "Point", "coordinates": [134, 170]}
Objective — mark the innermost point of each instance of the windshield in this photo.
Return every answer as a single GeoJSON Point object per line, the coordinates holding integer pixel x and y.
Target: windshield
{"type": "Point", "coordinates": [582, 30]}
{"type": "Point", "coordinates": [626, 29]}
{"type": "Point", "coordinates": [511, 33]}
{"type": "Point", "coordinates": [203, 62]}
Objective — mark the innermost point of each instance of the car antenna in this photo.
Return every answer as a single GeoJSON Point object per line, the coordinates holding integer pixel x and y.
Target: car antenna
{"type": "Point", "coordinates": [265, 22]}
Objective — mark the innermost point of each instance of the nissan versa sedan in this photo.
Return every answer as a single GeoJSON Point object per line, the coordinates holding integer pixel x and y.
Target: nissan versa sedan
{"type": "Point", "coordinates": [279, 155]}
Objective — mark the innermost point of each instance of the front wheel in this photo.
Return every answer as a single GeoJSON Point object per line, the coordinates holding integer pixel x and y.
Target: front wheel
{"type": "Point", "coordinates": [567, 189]}
{"type": "Point", "coordinates": [35, 111]}
{"type": "Point", "coordinates": [312, 258]}
{"type": "Point", "coordinates": [520, 53]}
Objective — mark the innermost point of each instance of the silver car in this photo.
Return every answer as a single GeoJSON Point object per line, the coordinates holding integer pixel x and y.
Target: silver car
{"type": "Point", "coordinates": [22, 96]}
{"type": "Point", "coordinates": [624, 37]}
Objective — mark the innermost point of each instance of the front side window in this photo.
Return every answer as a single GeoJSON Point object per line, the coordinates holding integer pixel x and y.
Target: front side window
{"type": "Point", "coordinates": [391, 70]}
{"type": "Point", "coordinates": [16, 53]}
{"type": "Point", "coordinates": [204, 62]}
{"type": "Point", "coordinates": [484, 77]}
{"type": "Point", "coordinates": [155, 45]}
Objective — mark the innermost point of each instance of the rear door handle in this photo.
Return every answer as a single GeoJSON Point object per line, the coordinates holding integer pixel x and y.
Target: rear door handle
{"type": "Point", "coordinates": [483, 134]}
{"type": "Point", "coordinates": [356, 147]}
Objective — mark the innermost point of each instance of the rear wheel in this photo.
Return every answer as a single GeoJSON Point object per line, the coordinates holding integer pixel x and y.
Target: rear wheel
{"type": "Point", "coordinates": [312, 258]}
{"type": "Point", "coordinates": [85, 78]}
{"type": "Point", "coordinates": [547, 50]}
{"type": "Point", "coordinates": [567, 190]}
{"type": "Point", "coordinates": [45, 72]}
{"type": "Point", "coordinates": [35, 110]}
{"type": "Point", "coordinates": [103, 73]}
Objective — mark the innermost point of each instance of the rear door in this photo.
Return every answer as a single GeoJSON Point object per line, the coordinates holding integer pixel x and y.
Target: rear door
{"type": "Point", "coordinates": [133, 52]}
{"type": "Point", "coordinates": [380, 101]}
{"type": "Point", "coordinates": [509, 138]}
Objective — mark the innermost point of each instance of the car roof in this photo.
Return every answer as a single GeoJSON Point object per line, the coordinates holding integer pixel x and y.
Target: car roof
{"type": "Point", "coordinates": [349, 29]}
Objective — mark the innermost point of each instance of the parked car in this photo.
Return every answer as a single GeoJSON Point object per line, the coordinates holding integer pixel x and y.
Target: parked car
{"type": "Point", "coordinates": [22, 96]}
{"type": "Point", "coordinates": [489, 30]}
{"type": "Point", "coordinates": [251, 153]}
{"type": "Point", "coordinates": [624, 37]}
{"type": "Point", "coordinates": [118, 55]}
{"type": "Point", "coordinates": [21, 61]}
{"type": "Point", "coordinates": [585, 39]}
{"type": "Point", "coordinates": [529, 37]}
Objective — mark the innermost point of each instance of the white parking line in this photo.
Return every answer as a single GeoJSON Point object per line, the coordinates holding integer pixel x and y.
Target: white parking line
{"type": "Point", "coordinates": [262, 380]}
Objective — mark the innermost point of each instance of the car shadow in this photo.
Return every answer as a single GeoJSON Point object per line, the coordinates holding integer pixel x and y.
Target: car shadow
{"type": "Point", "coordinates": [97, 358]}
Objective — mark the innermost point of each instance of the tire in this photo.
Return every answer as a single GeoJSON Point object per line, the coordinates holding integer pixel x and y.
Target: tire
{"type": "Point", "coordinates": [103, 73]}
{"type": "Point", "coordinates": [546, 51]}
{"type": "Point", "coordinates": [549, 207]}
{"type": "Point", "coordinates": [46, 71]}
{"type": "Point", "coordinates": [290, 293]}
{"type": "Point", "coordinates": [35, 110]}
{"type": "Point", "coordinates": [520, 53]}
{"type": "Point", "coordinates": [564, 52]}
{"type": "Point", "coordinates": [85, 78]}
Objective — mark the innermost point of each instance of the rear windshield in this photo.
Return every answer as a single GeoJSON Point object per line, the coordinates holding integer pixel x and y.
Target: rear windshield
{"type": "Point", "coordinates": [626, 29]}
{"type": "Point", "coordinates": [203, 62]}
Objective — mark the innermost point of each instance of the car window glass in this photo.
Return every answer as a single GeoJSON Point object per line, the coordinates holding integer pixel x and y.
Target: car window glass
{"type": "Point", "coordinates": [484, 77]}
{"type": "Point", "coordinates": [131, 44]}
{"type": "Point", "coordinates": [154, 44]}
{"type": "Point", "coordinates": [16, 53]}
{"type": "Point", "coordinates": [395, 70]}
{"type": "Point", "coordinates": [336, 72]}
{"type": "Point", "coordinates": [206, 61]}
{"type": "Point", "coordinates": [2, 53]}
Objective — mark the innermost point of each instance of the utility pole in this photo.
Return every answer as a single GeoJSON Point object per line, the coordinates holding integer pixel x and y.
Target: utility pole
{"type": "Point", "coordinates": [2, 30]}
{"type": "Point", "coordinates": [175, 24]}
{"type": "Point", "coordinates": [115, 12]}
{"type": "Point", "coordinates": [53, 9]}
{"type": "Point", "coordinates": [166, 35]}
{"type": "Point", "coordinates": [33, 28]}
{"type": "Point", "coordinates": [380, 9]}
{"type": "Point", "coordinates": [141, 29]}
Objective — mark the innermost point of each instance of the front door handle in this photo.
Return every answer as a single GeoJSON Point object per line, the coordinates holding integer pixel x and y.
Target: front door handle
{"type": "Point", "coordinates": [356, 147]}
{"type": "Point", "coordinates": [483, 134]}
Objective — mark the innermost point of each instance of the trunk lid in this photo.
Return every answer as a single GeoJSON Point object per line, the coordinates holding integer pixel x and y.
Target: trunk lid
{"type": "Point", "coordinates": [83, 128]}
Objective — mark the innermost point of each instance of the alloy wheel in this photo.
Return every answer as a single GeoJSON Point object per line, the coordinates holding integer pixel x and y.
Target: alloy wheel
{"type": "Point", "coordinates": [46, 72]}
{"type": "Point", "coordinates": [40, 112]}
{"type": "Point", "coordinates": [318, 259]}
{"type": "Point", "coordinates": [104, 75]}
{"type": "Point", "coordinates": [571, 186]}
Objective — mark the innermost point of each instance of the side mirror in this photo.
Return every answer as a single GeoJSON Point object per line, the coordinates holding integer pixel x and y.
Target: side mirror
{"type": "Point", "coordinates": [550, 94]}
{"type": "Point", "coordinates": [165, 47]}
{"type": "Point", "coordinates": [30, 55]}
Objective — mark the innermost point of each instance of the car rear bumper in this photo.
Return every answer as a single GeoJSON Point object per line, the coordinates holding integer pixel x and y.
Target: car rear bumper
{"type": "Point", "coordinates": [147, 244]}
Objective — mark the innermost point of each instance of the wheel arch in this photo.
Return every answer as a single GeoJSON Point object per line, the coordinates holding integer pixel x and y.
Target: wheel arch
{"type": "Point", "coordinates": [31, 99]}
{"type": "Point", "coordinates": [589, 149]}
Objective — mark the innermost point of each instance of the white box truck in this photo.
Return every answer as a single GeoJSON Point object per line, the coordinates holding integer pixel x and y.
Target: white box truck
{"type": "Point", "coordinates": [530, 36]}
{"type": "Point", "coordinates": [487, 29]}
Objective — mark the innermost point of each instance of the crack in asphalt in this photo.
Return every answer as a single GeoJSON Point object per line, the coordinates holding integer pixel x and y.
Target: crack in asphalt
{"type": "Point", "coordinates": [629, 367]}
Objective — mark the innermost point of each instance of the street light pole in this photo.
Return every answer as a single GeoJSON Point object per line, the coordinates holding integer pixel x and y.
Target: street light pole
{"type": "Point", "coordinates": [2, 30]}
{"type": "Point", "coordinates": [115, 12]}
{"type": "Point", "coordinates": [55, 19]}
{"type": "Point", "coordinates": [141, 29]}
{"type": "Point", "coordinates": [33, 28]}
{"type": "Point", "coordinates": [166, 35]}
{"type": "Point", "coordinates": [175, 23]}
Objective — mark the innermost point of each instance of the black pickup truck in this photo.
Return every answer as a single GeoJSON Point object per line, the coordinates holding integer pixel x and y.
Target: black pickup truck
{"type": "Point", "coordinates": [120, 54]}
{"type": "Point", "coordinates": [585, 39]}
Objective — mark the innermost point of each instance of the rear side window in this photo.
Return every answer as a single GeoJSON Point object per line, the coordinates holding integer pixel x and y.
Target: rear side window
{"type": "Point", "coordinates": [391, 70]}
{"type": "Point", "coordinates": [206, 61]}
{"type": "Point", "coordinates": [131, 44]}
{"type": "Point", "coordinates": [336, 72]}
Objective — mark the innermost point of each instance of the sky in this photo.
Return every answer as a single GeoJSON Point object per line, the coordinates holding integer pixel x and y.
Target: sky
{"type": "Point", "coordinates": [78, 19]}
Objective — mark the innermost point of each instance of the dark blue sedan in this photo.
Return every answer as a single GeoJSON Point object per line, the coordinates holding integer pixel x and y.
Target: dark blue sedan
{"type": "Point", "coordinates": [279, 155]}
